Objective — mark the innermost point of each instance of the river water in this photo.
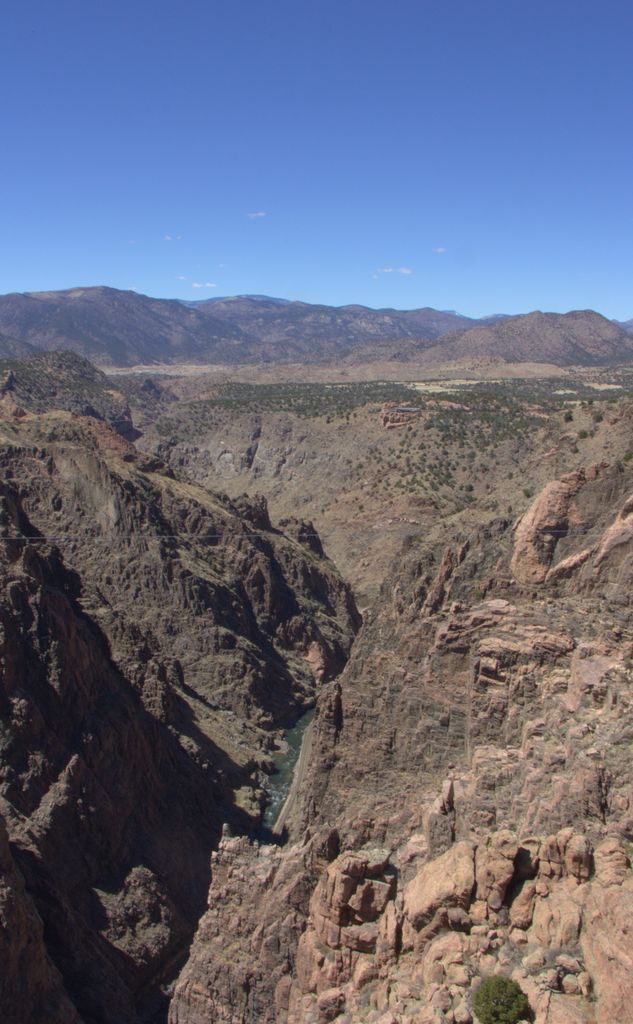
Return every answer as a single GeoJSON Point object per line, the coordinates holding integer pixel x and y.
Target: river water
{"type": "Point", "coordinates": [285, 760]}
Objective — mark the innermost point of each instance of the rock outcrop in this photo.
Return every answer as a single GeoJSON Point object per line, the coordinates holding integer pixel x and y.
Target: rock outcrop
{"type": "Point", "coordinates": [245, 943]}
{"type": "Point", "coordinates": [550, 912]}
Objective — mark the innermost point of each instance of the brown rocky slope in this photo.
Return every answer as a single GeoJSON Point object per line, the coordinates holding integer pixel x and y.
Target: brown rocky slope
{"type": "Point", "coordinates": [155, 637]}
{"type": "Point", "coordinates": [578, 338]}
{"type": "Point", "coordinates": [469, 809]}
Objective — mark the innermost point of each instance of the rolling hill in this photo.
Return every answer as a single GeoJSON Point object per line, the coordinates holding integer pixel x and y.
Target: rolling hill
{"type": "Point", "coordinates": [579, 338]}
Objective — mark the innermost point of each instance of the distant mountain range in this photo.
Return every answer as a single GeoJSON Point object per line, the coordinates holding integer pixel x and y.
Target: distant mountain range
{"type": "Point", "coordinates": [123, 328]}
{"type": "Point", "coordinates": [115, 328]}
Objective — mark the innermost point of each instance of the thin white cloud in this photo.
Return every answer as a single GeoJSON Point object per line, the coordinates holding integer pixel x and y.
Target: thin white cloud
{"type": "Point", "coordinates": [394, 270]}
{"type": "Point", "coordinates": [257, 214]}
{"type": "Point", "coordinates": [203, 284]}
{"type": "Point", "coordinates": [440, 249]}
{"type": "Point", "coordinates": [132, 241]}
{"type": "Point", "coordinates": [181, 277]}
{"type": "Point", "coordinates": [171, 238]}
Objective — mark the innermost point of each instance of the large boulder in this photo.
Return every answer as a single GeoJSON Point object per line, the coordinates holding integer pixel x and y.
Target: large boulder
{"type": "Point", "coordinates": [494, 868]}
{"type": "Point", "coordinates": [445, 882]}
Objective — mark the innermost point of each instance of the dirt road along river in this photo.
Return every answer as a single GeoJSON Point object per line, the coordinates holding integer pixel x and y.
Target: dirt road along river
{"type": "Point", "coordinates": [297, 779]}
{"type": "Point", "coordinates": [290, 764]}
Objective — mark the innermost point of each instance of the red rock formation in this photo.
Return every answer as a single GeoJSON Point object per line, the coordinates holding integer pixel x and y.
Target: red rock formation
{"type": "Point", "coordinates": [392, 415]}
{"type": "Point", "coordinates": [480, 735]}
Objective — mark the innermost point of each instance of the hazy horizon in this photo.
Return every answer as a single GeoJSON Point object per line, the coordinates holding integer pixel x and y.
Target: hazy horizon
{"type": "Point", "coordinates": [339, 305]}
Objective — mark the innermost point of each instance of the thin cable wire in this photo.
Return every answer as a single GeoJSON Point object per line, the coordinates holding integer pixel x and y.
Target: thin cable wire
{"type": "Point", "coordinates": [164, 536]}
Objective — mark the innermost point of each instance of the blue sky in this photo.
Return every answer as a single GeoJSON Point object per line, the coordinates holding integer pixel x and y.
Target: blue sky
{"type": "Point", "coordinates": [466, 155]}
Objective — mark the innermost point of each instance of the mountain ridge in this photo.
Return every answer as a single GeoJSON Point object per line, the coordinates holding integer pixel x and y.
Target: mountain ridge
{"type": "Point", "coordinates": [124, 328]}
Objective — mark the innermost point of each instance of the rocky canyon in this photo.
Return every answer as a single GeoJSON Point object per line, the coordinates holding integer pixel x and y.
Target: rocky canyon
{"type": "Point", "coordinates": [462, 807]}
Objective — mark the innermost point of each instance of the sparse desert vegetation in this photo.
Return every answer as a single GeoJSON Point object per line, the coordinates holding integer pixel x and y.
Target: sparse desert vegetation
{"type": "Point", "coordinates": [472, 449]}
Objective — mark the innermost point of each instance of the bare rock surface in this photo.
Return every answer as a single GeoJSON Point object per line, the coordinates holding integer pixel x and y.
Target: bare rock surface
{"type": "Point", "coordinates": [31, 989]}
{"type": "Point", "coordinates": [464, 804]}
{"type": "Point", "coordinates": [155, 640]}
{"type": "Point", "coordinates": [367, 944]}
{"type": "Point", "coordinates": [238, 968]}
{"type": "Point", "coordinates": [445, 882]}
{"type": "Point", "coordinates": [479, 737]}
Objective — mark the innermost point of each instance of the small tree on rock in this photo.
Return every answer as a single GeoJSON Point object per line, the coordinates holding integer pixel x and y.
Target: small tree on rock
{"type": "Point", "coordinates": [499, 1000]}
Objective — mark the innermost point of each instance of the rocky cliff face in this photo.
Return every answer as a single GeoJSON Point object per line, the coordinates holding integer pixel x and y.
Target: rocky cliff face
{"type": "Point", "coordinates": [155, 638]}
{"type": "Point", "coordinates": [400, 938]}
{"type": "Point", "coordinates": [484, 658]}
{"type": "Point", "coordinates": [106, 814]}
{"type": "Point", "coordinates": [31, 988]}
{"type": "Point", "coordinates": [472, 763]}
{"type": "Point", "coordinates": [465, 808]}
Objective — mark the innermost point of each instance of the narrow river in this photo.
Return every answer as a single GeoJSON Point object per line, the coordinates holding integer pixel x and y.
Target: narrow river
{"type": "Point", "coordinates": [285, 760]}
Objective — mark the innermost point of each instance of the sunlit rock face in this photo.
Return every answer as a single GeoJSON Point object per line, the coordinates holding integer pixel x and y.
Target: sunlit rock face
{"type": "Point", "coordinates": [473, 763]}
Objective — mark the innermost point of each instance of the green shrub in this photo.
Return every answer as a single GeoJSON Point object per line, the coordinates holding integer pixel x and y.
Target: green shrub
{"type": "Point", "coordinates": [499, 1000]}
